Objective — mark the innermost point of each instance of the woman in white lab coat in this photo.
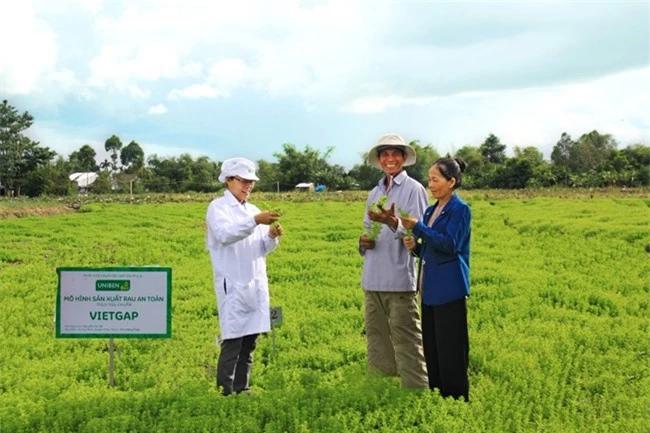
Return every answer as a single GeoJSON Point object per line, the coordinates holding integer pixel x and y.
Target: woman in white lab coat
{"type": "Point", "coordinates": [239, 238]}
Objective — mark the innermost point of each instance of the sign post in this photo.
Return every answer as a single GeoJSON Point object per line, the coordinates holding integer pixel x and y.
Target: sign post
{"type": "Point", "coordinates": [111, 363]}
{"type": "Point", "coordinates": [276, 320]}
{"type": "Point", "coordinates": [117, 302]}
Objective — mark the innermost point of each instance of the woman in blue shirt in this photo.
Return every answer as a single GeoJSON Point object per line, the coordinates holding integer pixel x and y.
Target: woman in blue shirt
{"type": "Point", "coordinates": [443, 247]}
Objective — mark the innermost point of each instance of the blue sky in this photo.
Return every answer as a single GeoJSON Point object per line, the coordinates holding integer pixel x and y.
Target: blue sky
{"type": "Point", "coordinates": [240, 78]}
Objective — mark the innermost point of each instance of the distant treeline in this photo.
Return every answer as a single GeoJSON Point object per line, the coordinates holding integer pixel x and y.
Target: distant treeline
{"type": "Point", "coordinates": [28, 168]}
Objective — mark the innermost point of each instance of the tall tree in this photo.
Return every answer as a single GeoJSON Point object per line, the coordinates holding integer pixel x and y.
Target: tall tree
{"type": "Point", "coordinates": [594, 151]}
{"type": "Point", "coordinates": [132, 157]}
{"type": "Point", "coordinates": [492, 150]}
{"type": "Point", "coordinates": [113, 145]}
{"type": "Point", "coordinates": [562, 165]}
{"type": "Point", "coordinates": [19, 155]}
{"type": "Point", "coordinates": [561, 154]}
{"type": "Point", "coordinates": [83, 160]}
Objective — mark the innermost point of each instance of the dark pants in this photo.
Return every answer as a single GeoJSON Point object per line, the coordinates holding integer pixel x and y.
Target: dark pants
{"type": "Point", "coordinates": [446, 347]}
{"type": "Point", "coordinates": [234, 366]}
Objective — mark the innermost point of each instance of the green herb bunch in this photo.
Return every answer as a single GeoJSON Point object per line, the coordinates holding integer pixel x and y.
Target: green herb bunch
{"type": "Point", "coordinates": [266, 207]}
{"type": "Point", "coordinates": [405, 214]}
{"type": "Point", "coordinates": [375, 226]}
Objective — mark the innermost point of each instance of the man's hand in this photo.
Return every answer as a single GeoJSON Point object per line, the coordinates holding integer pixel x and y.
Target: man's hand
{"type": "Point", "coordinates": [266, 217]}
{"type": "Point", "coordinates": [409, 242]}
{"type": "Point", "coordinates": [384, 216]}
{"type": "Point", "coordinates": [275, 231]}
{"type": "Point", "coordinates": [366, 243]}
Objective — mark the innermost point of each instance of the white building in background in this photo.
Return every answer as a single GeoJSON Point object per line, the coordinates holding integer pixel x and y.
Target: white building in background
{"type": "Point", "coordinates": [305, 186]}
{"type": "Point", "coordinates": [83, 180]}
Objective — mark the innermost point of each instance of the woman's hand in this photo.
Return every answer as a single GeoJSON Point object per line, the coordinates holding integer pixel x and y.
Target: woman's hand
{"type": "Point", "coordinates": [275, 231]}
{"type": "Point", "coordinates": [267, 217]}
{"type": "Point", "coordinates": [409, 242]}
{"type": "Point", "coordinates": [409, 222]}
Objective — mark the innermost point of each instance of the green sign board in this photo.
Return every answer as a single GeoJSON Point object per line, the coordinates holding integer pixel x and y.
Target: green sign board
{"type": "Point", "coordinates": [126, 302]}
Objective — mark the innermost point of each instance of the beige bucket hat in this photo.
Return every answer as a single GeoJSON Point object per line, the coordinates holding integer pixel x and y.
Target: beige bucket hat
{"type": "Point", "coordinates": [391, 140]}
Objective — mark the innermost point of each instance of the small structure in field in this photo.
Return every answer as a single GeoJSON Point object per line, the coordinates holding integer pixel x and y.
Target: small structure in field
{"type": "Point", "coordinates": [305, 187]}
{"type": "Point", "coordinates": [83, 180]}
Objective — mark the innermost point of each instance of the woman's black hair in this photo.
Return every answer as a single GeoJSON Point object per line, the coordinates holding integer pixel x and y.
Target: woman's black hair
{"type": "Point", "coordinates": [451, 168]}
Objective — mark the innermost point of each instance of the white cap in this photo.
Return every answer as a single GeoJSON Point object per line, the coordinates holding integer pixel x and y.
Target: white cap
{"type": "Point", "coordinates": [391, 140]}
{"type": "Point", "coordinates": [240, 167]}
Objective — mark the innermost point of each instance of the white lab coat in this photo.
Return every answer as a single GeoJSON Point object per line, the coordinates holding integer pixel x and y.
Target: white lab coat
{"type": "Point", "coordinates": [238, 249]}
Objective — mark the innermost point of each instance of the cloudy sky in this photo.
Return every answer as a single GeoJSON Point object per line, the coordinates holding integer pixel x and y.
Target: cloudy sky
{"type": "Point", "coordinates": [240, 78]}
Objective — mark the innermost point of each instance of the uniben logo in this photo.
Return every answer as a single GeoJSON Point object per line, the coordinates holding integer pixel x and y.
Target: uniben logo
{"type": "Point", "coordinates": [113, 285]}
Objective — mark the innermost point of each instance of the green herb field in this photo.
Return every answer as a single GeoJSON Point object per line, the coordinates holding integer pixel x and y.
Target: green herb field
{"type": "Point", "coordinates": [559, 322]}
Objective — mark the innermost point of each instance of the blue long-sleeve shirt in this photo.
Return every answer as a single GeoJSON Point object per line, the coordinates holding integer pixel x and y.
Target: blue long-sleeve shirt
{"type": "Point", "coordinates": [444, 252]}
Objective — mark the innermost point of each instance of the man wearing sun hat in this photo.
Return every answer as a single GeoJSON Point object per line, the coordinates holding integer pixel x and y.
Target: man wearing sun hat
{"type": "Point", "coordinates": [239, 238]}
{"type": "Point", "coordinates": [392, 320]}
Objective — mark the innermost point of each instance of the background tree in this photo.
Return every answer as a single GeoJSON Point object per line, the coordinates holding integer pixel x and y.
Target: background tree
{"type": "Point", "coordinates": [103, 184]}
{"type": "Point", "coordinates": [83, 160]}
{"type": "Point", "coordinates": [561, 159]}
{"type": "Point", "coordinates": [113, 145]}
{"type": "Point", "coordinates": [426, 156]}
{"type": "Point", "coordinates": [365, 176]}
{"type": "Point", "coordinates": [295, 167]}
{"type": "Point", "coordinates": [269, 176]}
{"type": "Point", "coordinates": [105, 165]}
{"type": "Point", "coordinates": [205, 174]}
{"type": "Point", "coordinates": [638, 163]}
{"type": "Point", "coordinates": [518, 171]}
{"type": "Point", "coordinates": [593, 151]}
{"type": "Point", "coordinates": [51, 178]}
{"type": "Point", "coordinates": [493, 150]}
{"type": "Point", "coordinates": [334, 177]}
{"type": "Point", "coordinates": [19, 155]}
{"type": "Point", "coordinates": [132, 158]}
{"type": "Point", "coordinates": [475, 172]}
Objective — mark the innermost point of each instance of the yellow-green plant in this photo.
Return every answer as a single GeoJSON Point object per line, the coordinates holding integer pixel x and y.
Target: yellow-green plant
{"type": "Point", "coordinates": [375, 226]}
{"type": "Point", "coordinates": [405, 214]}
{"type": "Point", "coordinates": [266, 207]}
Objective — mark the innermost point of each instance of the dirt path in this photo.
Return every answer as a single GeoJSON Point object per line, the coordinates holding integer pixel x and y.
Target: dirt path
{"type": "Point", "coordinates": [20, 211]}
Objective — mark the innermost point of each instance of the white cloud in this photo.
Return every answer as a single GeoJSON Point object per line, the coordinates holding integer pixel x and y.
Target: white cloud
{"type": "Point", "coordinates": [164, 150]}
{"type": "Point", "coordinates": [192, 69]}
{"type": "Point", "coordinates": [138, 92]}
{"type": "Point", "coordinates": [157, 109]}
{"type": "Point", "coordinates": [538, 116]}
{"type": "Point", "coordinates": [228, 74]}
{"type": "Point", "coordinates": [28, 49]}
{"type": "Point", "coordinates": [92, 6]}
{"type": "Point", "coordinates": [381, 104]}
{"type": "Point", "coordinates": [65, 79]}
{"type": "Point", "coordinates": [195, 91]}
{"type": "Point", "coordinates": [119, 65]}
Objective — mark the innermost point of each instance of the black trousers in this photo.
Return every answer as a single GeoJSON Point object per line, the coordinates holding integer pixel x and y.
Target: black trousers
{"type": "Point", "coordinates": [446, 347]}
{"type": "Point", "coordinates": [235, 361]}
